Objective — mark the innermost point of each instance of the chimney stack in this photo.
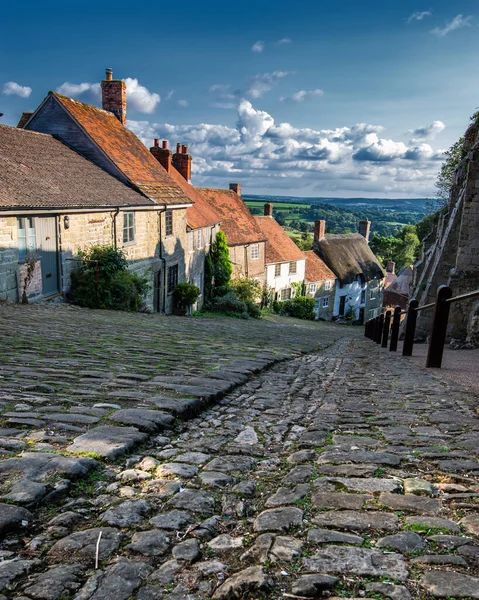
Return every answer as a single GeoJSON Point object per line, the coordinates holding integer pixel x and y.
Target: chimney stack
{"type": "Point", "coordinates": [268, 209]}
{"type": "Point", "coordinates": [182, 161]}
{"type": "Point", "coordinates": [113, 96]}
{"type": "Point", "coordinates": [236, 188]}
{"type": "Point", "coordinates": [391, 268]}
{"type": "Point", "coordinates": [364, 228]}
{"type": "Point", "coordinates": [163, 155]}
{"type": "Point", "coordinates": [319, 230]}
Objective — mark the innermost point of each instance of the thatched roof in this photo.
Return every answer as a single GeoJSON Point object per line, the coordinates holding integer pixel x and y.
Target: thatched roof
{"type": "Point", "coordinates": [349, 255]}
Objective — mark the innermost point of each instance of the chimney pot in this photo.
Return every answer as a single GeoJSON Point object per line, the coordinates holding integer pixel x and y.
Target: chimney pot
{"type": "Point", "coordinates": [184, 149]}
{"type": "Point", "coordinates": [391, 268]}
{"type": "Point", "coordinates": [319, 229]}
{"type": "Point", "coordinates": [268, 209]}
{"type": "Point", "coordinates": [182, 161]}
{"type": "Point", "coordinates": [178, 148]}
{"type": "Point", "coordinates": [109, 75]}
{"type": "Point", "coordinates": [236, 188]}
{"type": "Point", "coordinates": [156, 142]}
{"type": "Point", "coordinates": [364, 228]}
{"type": "Point", "coordinates": [165, 144]}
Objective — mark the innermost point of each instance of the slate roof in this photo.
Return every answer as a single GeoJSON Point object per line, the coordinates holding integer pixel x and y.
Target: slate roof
{"type": "Point", "coordinates": [237, 222]}
{"type": "Point", "coordinates": [125, 150]}
{"type": "Point", "coordinates": [39, 171]}
{"type": "Point", "coordinates": [279, 246]}
{"type": "Point", "coordinates": [316, 269]}
{"type": "Point", "coordinates": [349, 255]}
{"type": "Point", "coordinates": [201, 214]}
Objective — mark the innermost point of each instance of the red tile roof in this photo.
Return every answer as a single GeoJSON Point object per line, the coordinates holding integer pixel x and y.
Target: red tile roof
{"type": "Point", "coordinates": [201, 214]}
{"type": "Point", "coordinates": [237, 222]}
{"type": "Point", "coordinates": [125, 150]}
{"type": "Point", "coordinates": [39, 171]}
{"type": "Point", "coordinates": [279, 246]}
{"type": "Point", "coordinates": [316, 269]}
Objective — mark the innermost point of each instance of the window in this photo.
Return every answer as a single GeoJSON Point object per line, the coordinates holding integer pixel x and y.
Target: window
{"type": "Point", "coordinates": [200, 239]}
{"type": "Point", "coordinates": [169, 222]}
{"type": "Point", "coordinates": [128, 227]}
{"type": "Point", "coordinates": [172, 278]}
{"type": "Point", "coordinates": [26, 237]}
{"type": "Point", "coordinates": [325, 302]}
{"type": "Point", "coordinates": [312, 288]}
{"type": "Point", "coordinates": [327, 285]}
{"type": "Point", "coordinates": [277, 270]}
{"type": "Point", "coordinates": [198, 283]}
{"type": "Point", "coordinates": [191, 241]}
{"type": "Point", "coordinates": [292, 268]}
{"type": "Point", "coordinates": [286, 294]}
{"type": "Point", "coordinates": [372, 294]}
{"type": "Point", "coordinates": [254, 252]}
{"type": "Point", "coordinates": [363, 297]}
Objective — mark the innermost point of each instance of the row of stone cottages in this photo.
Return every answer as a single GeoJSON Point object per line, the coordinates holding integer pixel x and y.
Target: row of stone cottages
{"type": "Point", "coordinates": [73, 175]}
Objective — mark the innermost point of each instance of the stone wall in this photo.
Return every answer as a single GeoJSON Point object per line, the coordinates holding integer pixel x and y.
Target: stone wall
{"type": "Point", "coordinates": [244, 266]}
{"type": "Point", "coordinates": [175, 251]}
{"type": "Point", "coordinates": [195, 260]}
{"type": "Point", "coordinates": [320, 293]}
{"type": "Point", "coordinates": [8, 259]}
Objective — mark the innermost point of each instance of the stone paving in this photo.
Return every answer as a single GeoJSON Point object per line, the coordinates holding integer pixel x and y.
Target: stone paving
{"type": "Point", "coordinates": [342, 472]}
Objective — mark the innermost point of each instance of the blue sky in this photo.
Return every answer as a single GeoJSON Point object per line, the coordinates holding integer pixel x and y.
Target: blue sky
{"type": "Point", "coordinates": [306, 98]}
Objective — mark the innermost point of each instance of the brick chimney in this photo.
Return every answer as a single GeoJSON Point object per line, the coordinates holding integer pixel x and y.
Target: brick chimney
{"type": "Point", "coordinates": [268, 209]}
{"type": "Point", "coordinates": [236, 188]}
{"type": "Point", "coordinates": [113, 96]}
{"type": "Point", "coordinates": [319, 230]}
{"type": "Point", "coordinates": [364, 228]}
{"type": "Point", "coordinates": [391, 268]}
{"type": "Point", "coordinates": [182, 161]}
{"type": "Point", "coordinates": [162, 154]}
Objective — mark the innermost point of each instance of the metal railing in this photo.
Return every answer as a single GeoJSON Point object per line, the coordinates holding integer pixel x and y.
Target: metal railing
{"type": "Point", "coordinates": [385, 327]}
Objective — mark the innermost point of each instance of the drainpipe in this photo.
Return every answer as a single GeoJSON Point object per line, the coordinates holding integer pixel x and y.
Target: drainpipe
{"type": "Point", "coordinates": [115, 214]}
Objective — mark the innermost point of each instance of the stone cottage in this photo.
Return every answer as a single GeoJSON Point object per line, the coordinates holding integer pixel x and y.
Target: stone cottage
{"type": "Point", "coordinates": [285, 262]}
{"type": "Point", "coordinates": [101, 136]}
{"type": "Point", "coordinates": [359, 290]}
{"type": "Point", "coordinates": [246, 241]}
{"type": "Point", "coordinates": [320, 284]}
{"type": "Point", "coordinates": [54, 202]}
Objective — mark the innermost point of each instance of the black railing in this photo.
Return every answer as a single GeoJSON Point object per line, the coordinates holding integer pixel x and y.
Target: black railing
{"type": "Point", "coordinates": [385, 327]}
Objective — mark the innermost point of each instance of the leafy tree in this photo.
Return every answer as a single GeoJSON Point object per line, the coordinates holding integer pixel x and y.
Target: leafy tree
{"type": "Point", "coordinates": [385, 247]}
{"type": "Point", "coordinates": [219, 264]}
{"type": "Point", "coordinates": [445, 177]}
{"type": "Point", "coordinates": [305, 242]}
{"type": "Point", "coordinates": [247, 289]}
{"type": "Point", "coordinates": [408, 247]}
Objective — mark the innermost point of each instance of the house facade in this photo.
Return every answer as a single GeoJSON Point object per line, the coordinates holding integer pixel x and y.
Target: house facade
{"type": "Point", "coordinates": [246, 242]}
{"type": "Point", "coordinates": [359, 289]}
{"type": "Point", "coordinates": [53, 203]}
{"type": "Point", "coordinates": [285, 262]}
{"type": "Point", "coordinates": [320, 284]}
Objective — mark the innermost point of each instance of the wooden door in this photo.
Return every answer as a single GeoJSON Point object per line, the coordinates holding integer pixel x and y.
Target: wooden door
{"type": "Point", "coordinates": [342, 303]}
{"type": "Point", "coordinates": [46, 241]}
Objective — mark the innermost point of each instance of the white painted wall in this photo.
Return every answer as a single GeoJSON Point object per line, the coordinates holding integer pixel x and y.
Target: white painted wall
{"type": "Point", "coordinates": [352, 291]}
{"type": "Point", "coordinates": [285, 279]}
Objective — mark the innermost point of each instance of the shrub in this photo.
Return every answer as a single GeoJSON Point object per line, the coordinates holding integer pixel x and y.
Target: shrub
{"type": "Point", "coordinates": [220, 265]}
{"type": "Point", "coordinates": [300, 307]}
{"type": "Point", "coordinates": [254, 310]}
{"type": "Point", "coordinates": [222, 290]}
{"type": "Point", "coordinates": [247, 289]}
{"type": "Point", "coordinates": [185, 294]}
{"type": "Point", "coordinates": [229, 303]}
{"type": "Point", "coordinates": [117, 287]}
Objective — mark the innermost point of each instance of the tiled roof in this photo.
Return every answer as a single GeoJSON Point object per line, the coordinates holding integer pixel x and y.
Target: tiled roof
{"type": "Point", "coordinates": [279, 246]}
{"type": "Point", "coordinates": [39, 171]}
{"type": "Point", "coordinates": [201, 214]}
{"type": "Point", "coordinates": [125, 150]}
{"type": "Point", "coordinates": [316, 269]}
{"type": "Point", "coordinates": [349, 255]}
{"type": "Point", "coordinates": [237, 222]}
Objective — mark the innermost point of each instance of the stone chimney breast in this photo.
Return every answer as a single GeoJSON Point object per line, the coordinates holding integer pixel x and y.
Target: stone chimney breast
{"type": "Point", "coordinates": [364, 228]}
{"type": "Point", "coordinates": [319, 229]}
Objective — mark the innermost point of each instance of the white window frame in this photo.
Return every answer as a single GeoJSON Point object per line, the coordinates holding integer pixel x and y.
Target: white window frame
{"type": "Point", "coordinates": [293, 267]}
{"type": "Point", "coordinates": [286, 292]}
{"type": "Point", "coordinates": [327, 284]}
{"type": "Point", "coordinates": [168, 223]}
{"type": "Point", "coordinates": [199, 239]}
{"type": "Point", "coordinates": [254, 252]}
{"type": "Point", "coordinates": [277, 270]}
{"type": "Point", "coordinates": [325, 302]}
{"type": "Point", "coordinates": [191, 241]}
{"type": "Point", "coordinates": [26, 235]}
{"type": "Point", "coordinates": [312, 288]}
{"type": "Point", "coordinates": [128, 228]}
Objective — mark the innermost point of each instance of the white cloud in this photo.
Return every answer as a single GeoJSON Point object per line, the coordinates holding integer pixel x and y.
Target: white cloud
{"type": "Point", "coordinates": [269, 155]}
{"type": "Point", "coordinates": [302, 95]}
{"type": "Point", "coordinates": [138, 96]}
{"type": "Point", "coordinates": [283, 41]}
{"type": "Point", "coordinates": [427, 132]}
{"type": "Point", "coordinates": [169, 95]}
{"type": "Point", "coordinates": [458, 22]}
{"type": "Point", "coordinates": [12, 88]}
{"type": "Point", "coordinates": [183, 103]}
{"type": "Point", "coordinates": [263, 82]}
{"type": "Point", "coordinates": [419, 16]}
{"type": "Point", "coordinates": [257, 47]}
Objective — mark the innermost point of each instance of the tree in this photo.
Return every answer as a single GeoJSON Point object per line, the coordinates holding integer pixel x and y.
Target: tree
{"type": "Point", "coordinates": [445, 177]}
{"type": "Point", "coordinates": [407, 249]}
{"type": "Point", "coordinates": [385, 247]}
{"type": "Point", "coordinates": [219, 266]}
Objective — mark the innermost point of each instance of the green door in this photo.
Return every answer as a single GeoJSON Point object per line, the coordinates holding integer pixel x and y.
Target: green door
{"type": "Point", "coordinates": [46, 242]}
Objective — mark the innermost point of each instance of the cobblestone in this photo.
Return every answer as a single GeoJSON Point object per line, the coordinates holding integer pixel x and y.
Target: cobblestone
{"type": "Point", "coordinates": [345, 470]}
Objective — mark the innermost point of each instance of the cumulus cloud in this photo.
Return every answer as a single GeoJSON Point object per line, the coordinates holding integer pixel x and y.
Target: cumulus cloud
{"type": "Point", "coordinates": [419, 16]}
{"type": "Point", "coordinates": [183, 103]}
{"type": "Point", "coordinates": [138, 96]}
{"type": "Point", "coordinates": [264, 82]}
{"type": "Point", "coordinates": [458, 22]}
{"type": "Point", "coordinates": [257, 47]}
{"type": "Point", "coordinates": [356, 159]}
{"type": "Point", "coordinates": [12, 88]}
{"type": "Point", "coordinates": [427, 132]}
{"type": "Point", "coordinates": [302, 96]}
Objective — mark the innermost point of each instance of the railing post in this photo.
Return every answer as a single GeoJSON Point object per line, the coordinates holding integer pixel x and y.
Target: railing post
{"type": "Point", "coordinates": [439, 327]}
{"type": "Point", "coordinates": [395, 329]}
{"type": "Point", "coordinates": [386, 327]}
{"type": "Point", "coordinates": [380, 329]}
{"type": "Point", "coordinates": [366, 329]}
{"type": "Point", "coordinates": [410, 328]}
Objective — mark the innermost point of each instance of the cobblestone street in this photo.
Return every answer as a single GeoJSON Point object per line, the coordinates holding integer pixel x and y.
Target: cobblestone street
{"type": "Point", "coordinates": [174, 458]}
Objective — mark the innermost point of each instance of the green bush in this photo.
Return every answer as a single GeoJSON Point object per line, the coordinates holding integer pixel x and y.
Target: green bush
{"type": "Point", "coordinates": [229, 303]}
{"type": "Point", "coordinates": [117, 287]}
{"type": "Point", "coordinates": [247, 289]}
{"type": "Point", "coordinates": [253, 309]}
{"type": "Point", "coordinates": [219, 263]}
{"type": "Point", "coordinates": [300, 307]}
{"type": "Point", "coordinates": [185, 294]}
